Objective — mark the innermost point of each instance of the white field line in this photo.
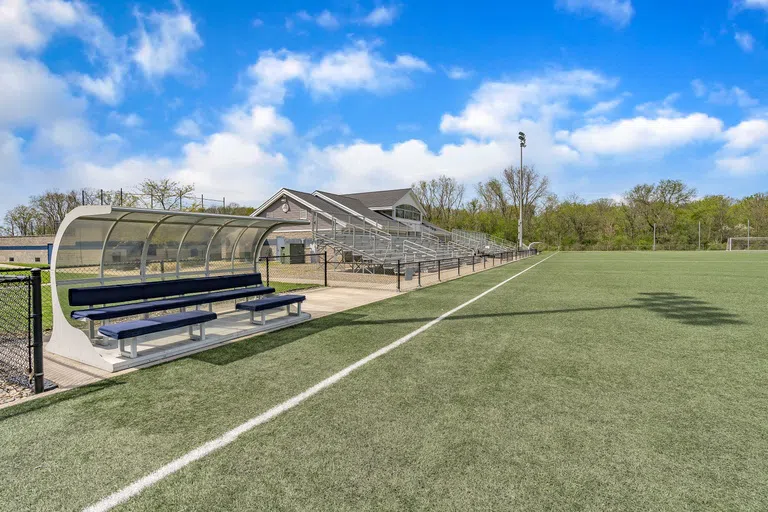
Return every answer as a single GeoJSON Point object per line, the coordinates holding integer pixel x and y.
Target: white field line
{"type": "Point", "coordinates": [172, 467]}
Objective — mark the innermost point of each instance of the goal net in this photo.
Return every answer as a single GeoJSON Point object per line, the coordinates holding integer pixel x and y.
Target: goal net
{"type": "Point", "coordinates": [754, 243]}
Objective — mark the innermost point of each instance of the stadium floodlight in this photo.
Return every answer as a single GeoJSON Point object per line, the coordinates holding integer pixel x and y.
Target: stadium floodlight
{"type": "Point", "coordinates": [523, 144]}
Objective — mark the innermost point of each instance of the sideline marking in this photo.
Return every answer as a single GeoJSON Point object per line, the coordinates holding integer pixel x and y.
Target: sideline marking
{"type": "Point", "coordinates": [172, 467]}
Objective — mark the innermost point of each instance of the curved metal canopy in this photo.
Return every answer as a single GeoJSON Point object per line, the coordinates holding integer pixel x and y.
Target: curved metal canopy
{"type": "Point", "coordinates": [108, 243]}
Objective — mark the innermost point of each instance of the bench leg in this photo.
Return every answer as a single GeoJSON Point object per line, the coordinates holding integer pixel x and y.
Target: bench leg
{"type": "Point", "coordinates": [263, 318]}
{"type": "Point", "coordinates": [202, 332]}
{"type": "Point", "coordinates": [288, 310]}
{"type": "Point", "coordinates": [253, 319]}
{"type": "Point", "coordinates": [210, 307]}
{"type": "Point", "coordinates": [298, 309]}
{"type": "Point", "coordinates": [123, 352]}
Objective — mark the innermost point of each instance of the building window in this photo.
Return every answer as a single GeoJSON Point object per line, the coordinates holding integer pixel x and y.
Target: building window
{"type": "Point", "coordinates": [11, 259]}
{"type": "Point", "coordinates": [408, 212]}
{"type": "Point", "coordinates": [37, 260]}
{"type": "Point", "coordinates": [303, 214]}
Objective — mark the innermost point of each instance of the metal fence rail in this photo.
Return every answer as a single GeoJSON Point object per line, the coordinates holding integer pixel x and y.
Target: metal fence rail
{"type": "Point", "coordinates": [319, 269]}
{"type": "Point", "coordinates": [21, 328]}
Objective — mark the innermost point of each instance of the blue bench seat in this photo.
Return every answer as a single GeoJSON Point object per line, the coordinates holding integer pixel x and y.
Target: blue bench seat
{"type": "Point", "coordinates": [151, 306]}
{"type": "Point", "coordinates": [267, 303]}
{"type": "Point", "coordinates": [131, 330]}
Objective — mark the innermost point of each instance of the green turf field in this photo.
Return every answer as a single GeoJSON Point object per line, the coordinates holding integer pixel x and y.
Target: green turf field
{"type": "Point", "coordinates": [595, 381]}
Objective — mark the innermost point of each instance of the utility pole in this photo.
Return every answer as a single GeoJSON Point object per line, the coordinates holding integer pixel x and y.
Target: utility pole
{"type": "Point", "coordinates": [748, 234]}
{"type": "Point", "coordinates": [654, 237]}
{"type": "Point", "coordinates": [699, 235]}
{"type": "Point", "coordinates": [521, 136]}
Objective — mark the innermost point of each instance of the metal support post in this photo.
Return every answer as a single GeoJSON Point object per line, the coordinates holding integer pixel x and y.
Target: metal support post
{"type": "Point", "coordinates": [37, 329]}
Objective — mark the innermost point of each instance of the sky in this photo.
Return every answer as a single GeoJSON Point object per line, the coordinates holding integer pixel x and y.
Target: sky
{"type": "Point", "coordinates": [242, 98]}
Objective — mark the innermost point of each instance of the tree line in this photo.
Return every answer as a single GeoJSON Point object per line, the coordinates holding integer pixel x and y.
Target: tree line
{"type": "Point", "coordinates": [680, 219]}
{"type": "Point", "coordinates": [43, 213]}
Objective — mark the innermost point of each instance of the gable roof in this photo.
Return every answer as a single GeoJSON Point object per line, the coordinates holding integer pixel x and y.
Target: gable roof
{"type": "Point", "coordinates": [359, 208]}
{"type": "Point", "coordinates": [312, 202]}
{"type": "Point", "coordinates": [380, 198]}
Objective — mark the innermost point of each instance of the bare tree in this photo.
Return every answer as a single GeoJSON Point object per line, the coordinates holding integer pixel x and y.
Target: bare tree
{"type": "Point", "coordinates": [22, 220]}
{"type": "Point", "coordinates": [164, 194]}
{"type": "Point", "coordinates": [52, 206]}
{"type": "Point", "coordinates": [440, 197]}
{"type": "Point", "coordinates": [534, 189]}
{"type": "Point", "coordinates": [493, 196]}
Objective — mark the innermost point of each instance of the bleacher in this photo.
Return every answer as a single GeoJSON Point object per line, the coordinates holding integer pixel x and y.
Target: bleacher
{"type": "Point", "coordinates": [372, 231]}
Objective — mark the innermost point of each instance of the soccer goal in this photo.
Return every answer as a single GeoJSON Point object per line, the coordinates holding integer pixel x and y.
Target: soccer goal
{"type": "Point", "coordinates": [743, 243]}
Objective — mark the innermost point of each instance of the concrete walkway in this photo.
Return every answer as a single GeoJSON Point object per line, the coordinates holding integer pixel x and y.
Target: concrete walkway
{"type": "Point", "coordinates": [69, 374]}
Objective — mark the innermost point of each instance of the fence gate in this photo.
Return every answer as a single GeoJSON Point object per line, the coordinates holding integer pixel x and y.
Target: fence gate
{"type": "Point", "coordinates": [21, 336]}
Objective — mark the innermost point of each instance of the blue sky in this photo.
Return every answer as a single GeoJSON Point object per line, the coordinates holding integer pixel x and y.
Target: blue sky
{"type": "Point", "coordinates": [241, 98]}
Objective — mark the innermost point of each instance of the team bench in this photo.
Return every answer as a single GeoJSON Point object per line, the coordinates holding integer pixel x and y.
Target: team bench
{"type": "Point", "coordinates": [118, 301]}
{"type": "Point", "coordinates": [268, 303]}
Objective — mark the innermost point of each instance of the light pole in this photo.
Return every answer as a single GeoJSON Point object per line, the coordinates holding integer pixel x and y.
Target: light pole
{"type": "Point", "coordinates": [520, 136]}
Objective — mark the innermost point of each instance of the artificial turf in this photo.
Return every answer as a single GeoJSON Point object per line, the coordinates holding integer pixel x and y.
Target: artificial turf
{"type": "Point", "coordinates": [595, 381]}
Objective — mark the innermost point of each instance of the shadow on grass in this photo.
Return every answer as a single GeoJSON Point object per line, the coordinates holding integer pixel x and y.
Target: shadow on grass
{"type": "Point", "coordinates": [258, 344]}
{"type": "Point", "coordinates": [681, 308]}
{"type": "Point", "coordinates": [685, 309]}
{"type": "Point", "coordinates": [43, 402]}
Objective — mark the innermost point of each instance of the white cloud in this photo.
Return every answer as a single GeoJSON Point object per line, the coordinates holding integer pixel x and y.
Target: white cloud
{"type": "Point", "coordinates": [240, 151]}
{"type": "Point", "coordinates": [259, 124]}
{"type": "Point", "coordinates": [718, 94]}
{"type": "Point", "coordinates": [699, 88]}
{"type": "Point", "coordinates": [188, 128]}
{"type": "Point", "coordinates": [357, 67]}
{"type": "Point", "coordinates": [28, 25]}
{"type": "Point", "coordinates": [382, 15]}
{"type": "Point", "coordinates": [327, 20]}
{"type": "Point", "coordinates": [603, 107]}
{"type": "Point", "coordinates": [752, 4]}
{"type": "Point", "coordinates": [617, 12]}
{"type": "Point", "coordinates": [497, 107]}
{"type": "Point", "coordinates": [272, 71]}
{"type": "Point", "coordinates": [747, 134]}
{"type": "Point", "coordinates": [131, 120]}
{"type": "Point", "coordinates": [257, 22]}
{"type": "Point", "coordinates": [745, 40]}
{"type": "Point", "coordinates": [164, 42]}
{"type": "Point", "coordinates": [663, 108]}
{"type": "Point", "coordinates": [457, 73]}
{"type": "Point", "coordinates": [746, 148]}
{"type": "Point", "coordinates": [640, 134]}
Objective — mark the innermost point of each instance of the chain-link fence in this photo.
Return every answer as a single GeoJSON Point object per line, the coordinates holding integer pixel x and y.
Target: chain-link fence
{"type": "Point", "coordinates": [292, 272]}
{"type": "Point", "coordinates": [21, 328]}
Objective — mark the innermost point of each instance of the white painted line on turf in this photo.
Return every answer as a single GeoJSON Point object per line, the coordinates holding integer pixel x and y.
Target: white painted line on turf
{"type": "Point", "coordinates": [198, 453]}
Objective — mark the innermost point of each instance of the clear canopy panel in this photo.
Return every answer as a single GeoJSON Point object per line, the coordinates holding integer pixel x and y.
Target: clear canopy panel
{"type": "Point", "coordinates": [107, 244]}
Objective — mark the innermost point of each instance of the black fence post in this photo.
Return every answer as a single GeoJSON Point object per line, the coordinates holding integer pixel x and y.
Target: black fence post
{"type": "Point", "coordinates": [398, 275]}
{"type": "Point", "coordinates": [325, 268]}
{"type": "Point", "coordinates": [419, 270]}
{"type": "Point", "coordinates": [458, 265]}
{"type": "Point", "coordinates": [438, 270]}
{"type": "Point", "coordinates": [484, 260]}
{"type": "Point", "coordinates": [473, 263]}
{"type": "Point", "coordinates": [267, 257]}
{"type": "Point", "coordinates": [37, 329]}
